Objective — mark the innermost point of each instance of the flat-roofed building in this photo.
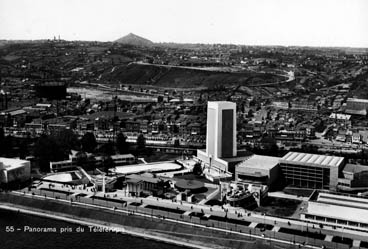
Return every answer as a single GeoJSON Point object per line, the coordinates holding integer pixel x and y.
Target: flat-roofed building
{"type": "Point", "coordinates": [14, 170]}
{"type": "Point", "coordinates": [119, 160]}
{"type": "Point", "coordinates": [338, 210]}
{"type": "Point", "coordinates": [145, 183]}
{"type": "Point", "coordinates": [355, 178]}
{"type": "Point", "coordinates": [258, 169]}
{"type": "Point", "coordinates": [339, 117]}
{"type": "Point", "coordinates": [311, 170]}
{"type": "Point", "coordinates": [356, 106]}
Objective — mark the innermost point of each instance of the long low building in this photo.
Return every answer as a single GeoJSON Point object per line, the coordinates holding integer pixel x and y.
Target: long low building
{"type": "Point", "coordinates": [147, 167]}
{"type": "Point", "coordinates": [337, 210]}
{"type": "Point", "coordinates": [119, 160]}
{"type": "Point", "coordinates": [311, 170]}
{"type": "Point", "coordinates": [357, 106]}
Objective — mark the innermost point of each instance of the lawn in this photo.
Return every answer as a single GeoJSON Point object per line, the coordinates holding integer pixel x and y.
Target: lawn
{"type": "Point", "coordinates": [278, 206]}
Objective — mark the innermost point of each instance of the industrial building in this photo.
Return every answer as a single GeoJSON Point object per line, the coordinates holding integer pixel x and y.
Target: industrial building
{"type": "Point", "coordinates": [337, 210]}
{"type": "Point", "coordinates": [258, 169]}
{"type": "Point", "coordinates": [14, 170]}
{"type": "Point", "coordinates": [311, 170]}
{"type": "Point", "coordinates": [356, 106]}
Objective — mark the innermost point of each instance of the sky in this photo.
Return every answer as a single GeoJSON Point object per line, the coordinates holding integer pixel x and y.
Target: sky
{"type": "Point", "coordinates": [246, 22]}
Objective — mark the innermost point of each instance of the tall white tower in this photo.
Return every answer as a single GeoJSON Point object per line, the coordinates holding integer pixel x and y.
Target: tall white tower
{"type": "Point", "coordinates": [221, 129]}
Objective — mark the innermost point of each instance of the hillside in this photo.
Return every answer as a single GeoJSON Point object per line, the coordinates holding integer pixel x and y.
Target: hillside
{"type": "Point", "coordinates": [136, 40]}
{"type": "Point", "coordinates": [181, 77]}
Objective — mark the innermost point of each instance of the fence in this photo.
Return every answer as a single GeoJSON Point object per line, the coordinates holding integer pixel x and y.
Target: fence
{"type": "Point", "coordinates": [119, 208]}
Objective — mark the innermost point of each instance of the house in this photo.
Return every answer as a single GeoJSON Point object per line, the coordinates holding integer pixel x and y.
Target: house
{"type": "Point", "coordinates": [146, 183]}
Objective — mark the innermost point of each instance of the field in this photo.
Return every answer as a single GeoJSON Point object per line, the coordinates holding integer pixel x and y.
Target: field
{"type": "Point", "coordinates": [183, 77]}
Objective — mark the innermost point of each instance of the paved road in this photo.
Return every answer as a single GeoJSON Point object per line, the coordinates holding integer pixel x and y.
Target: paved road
{"type": "Point", "coordinates": [104, 227]}
{"type": "Point", "coordinates": [142, 206]}
{"type": "Point", "coordinates": [269, 236]}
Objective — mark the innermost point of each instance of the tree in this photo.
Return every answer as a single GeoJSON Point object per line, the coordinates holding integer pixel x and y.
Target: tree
{"type": "Point", "coordinates": [269, 146]}
{"type": "Point", "coordinates": [8, 145]}
{"type": "Point", "coordinates": [47, 150]}
{"type": "Point", "coordinates": [250, 113]}
{"type": "Point", "coordinates": [68, 140]}
{"type": "Point", "coordinates": [197, 169]}
{"type": "Point", "coordinates": [121, 143]}
{"type": "Point", "coordinates": [2, 141]}
{"type": "Point", "coordinates": [23, 148]}
{"type": "Point", "coordinates": [81, 159]}
{"type": "Point", "coordinates": [175, 129]}
{"type": "Point", "coordinates": [91, 162]}
{"type": "Point", "coordinates": [107, 163]}
{"type": "Point", "coordinates": [2, 134]}
{"type": "Point", "coordinates": [108, 148]}
{"type": "Point", "coordinates": [89, 142]}
{"type": "Point", "coordinates": [141, 143]}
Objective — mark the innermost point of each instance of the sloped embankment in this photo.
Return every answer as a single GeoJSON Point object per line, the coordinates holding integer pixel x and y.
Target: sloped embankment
{"type": "Point", "coordinates": [143, 74]}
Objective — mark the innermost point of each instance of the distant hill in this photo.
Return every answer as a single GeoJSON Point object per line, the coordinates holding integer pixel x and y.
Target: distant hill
{"type": "Point", "coordinates": [133, 39]}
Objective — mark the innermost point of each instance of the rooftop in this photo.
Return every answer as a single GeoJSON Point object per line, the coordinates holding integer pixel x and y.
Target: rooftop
{"type": "Point", "coordinates": [340, 116]}
{"type": "Point", "coordinates": [150, 167]}
{"type": "Point", "coordinates": [134, 178]}
{"type": "Point", "coordinates": [357, 100]}
{"type": "Point", "coordinates": [341, 200]}
{"type": "Point", "coordinates": [312, 159]}
{"type": "Point", "coordinates": [221, 104]}
{"type": "Point", "coordinates": [260, 162]}
{"type": "Point", "coordinates": [356, 112]}
{"type": "Point", "coordinates": [117, 157]}
{"type": "Point", "coordinates": [355, 168]}
{"type": "Point", "coordinates": [9, 163]}
{"type": "Point", "coordinates": [339, 206]}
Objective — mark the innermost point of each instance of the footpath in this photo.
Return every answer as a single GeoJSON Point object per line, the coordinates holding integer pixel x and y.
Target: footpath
{"type": "Point", "coordinates": [102, 226]}
{"type": "Point", "coordinates": [176, 226]}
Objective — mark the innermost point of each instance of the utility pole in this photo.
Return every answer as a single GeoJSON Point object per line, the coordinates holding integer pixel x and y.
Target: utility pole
{"type": "Point", "coordinates": [114, 118]}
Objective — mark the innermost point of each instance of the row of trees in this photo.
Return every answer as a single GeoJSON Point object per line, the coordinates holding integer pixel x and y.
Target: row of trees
{"type": "Point", "coordinates": [57, 146]}
{"type": "Point", "coordinates": [13, 147]}
{"type": "Point", "coordinates": [54, 147]}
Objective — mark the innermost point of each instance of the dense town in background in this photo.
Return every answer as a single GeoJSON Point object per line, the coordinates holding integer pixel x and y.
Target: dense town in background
{"type": "Point", "coordinates": [287, 97]}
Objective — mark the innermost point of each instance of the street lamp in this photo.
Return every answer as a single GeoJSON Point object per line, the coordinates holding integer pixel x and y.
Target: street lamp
{"type": "Point", "coordinates": [306, 242]}
{"type": "Point", "coordinates": [210, 159]}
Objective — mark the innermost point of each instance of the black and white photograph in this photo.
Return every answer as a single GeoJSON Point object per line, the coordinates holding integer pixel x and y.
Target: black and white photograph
{"type": "Point", "coordinates": [174, 124]}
